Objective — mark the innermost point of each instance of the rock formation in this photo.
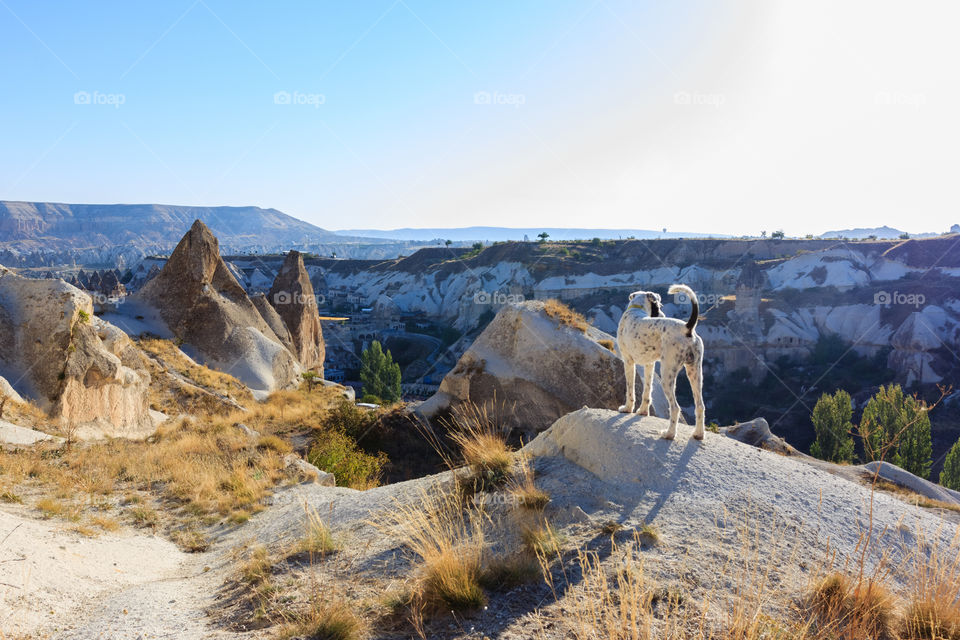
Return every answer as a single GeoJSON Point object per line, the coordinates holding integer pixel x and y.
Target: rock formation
{"type": "Point", "coordinates": [202, 305]}
{"type": "Point", "coordinates": [82, 370]}
{"type": "Point", "coordinates": [293, 298]}
{"type": "Point", "coordinates": [537, 370]}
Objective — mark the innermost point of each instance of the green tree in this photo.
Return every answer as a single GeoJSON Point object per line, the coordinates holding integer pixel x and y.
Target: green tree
{"type": "Point", "coordinates": [379, 374]}
{"type": "Point", "coordinates": [831, 422]}
{"type": "Point", "coordinates": [778, 234]}
{"type": "Point", "coordinates": [950, 476]}
{"type": "Point", "coordinates": [310, 377]}
{"type": "Point", "coordinates": [543, 235]}
{"type": "Point", "coordinates": [896, 428]}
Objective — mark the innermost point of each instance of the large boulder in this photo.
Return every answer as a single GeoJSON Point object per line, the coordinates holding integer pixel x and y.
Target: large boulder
{"type": "Point", "coordinates": [82, 370]}
{"type": "Point", "coordinates": [537, 369]}
{"type": "Point", "coordinates": [203, 306]}
{"type": "Point", "coordinates": [293, 298]}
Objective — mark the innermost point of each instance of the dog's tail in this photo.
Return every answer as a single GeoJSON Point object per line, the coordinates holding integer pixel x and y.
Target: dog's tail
{"type": "Point", "coordinates": [695, 311]}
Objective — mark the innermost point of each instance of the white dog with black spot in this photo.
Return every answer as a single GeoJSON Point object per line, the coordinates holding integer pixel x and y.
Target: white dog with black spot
{"type": "Point", "coordinates": [645, 336]}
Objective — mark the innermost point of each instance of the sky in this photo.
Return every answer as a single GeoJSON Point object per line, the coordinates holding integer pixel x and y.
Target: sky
{"type": "Point", "coordinates": [724, 117]}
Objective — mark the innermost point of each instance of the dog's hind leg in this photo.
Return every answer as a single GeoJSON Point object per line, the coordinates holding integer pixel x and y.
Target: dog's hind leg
{"type": "Point", "coordinates": [668, 377]}
{"type": "Point", "coordinates": [630, 373]}
{"type": "Point", "coordinates": [695, 377]}
{"type": "Point", "coordinates": [644, 409]}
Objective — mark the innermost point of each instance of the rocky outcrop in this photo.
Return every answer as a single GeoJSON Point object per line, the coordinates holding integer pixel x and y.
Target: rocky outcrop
{"type": "Point", "coordinates": [82, 370]}
{"type": "Point", "coordinates": [293, 298]}
{"type": "Point", "coordinates": [536, 370]}
{"type": "Point", "coordinates": [203, 306]}
{"type": "Point", "coordinates": [757, 433]}
{"type": "Point", "coordinates": [7, 391]}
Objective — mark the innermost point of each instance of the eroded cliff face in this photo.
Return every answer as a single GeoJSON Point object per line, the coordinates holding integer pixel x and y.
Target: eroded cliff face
{"type": "Point", "coordinates": [82, 370]}
{"type": "Point", "coordinates": [202, 304]}
{"type": "Point", "coordinates": [760, 299]}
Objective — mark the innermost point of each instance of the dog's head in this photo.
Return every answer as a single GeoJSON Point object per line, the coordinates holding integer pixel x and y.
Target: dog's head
{"type": "Point", "coordinates": [646, 300]}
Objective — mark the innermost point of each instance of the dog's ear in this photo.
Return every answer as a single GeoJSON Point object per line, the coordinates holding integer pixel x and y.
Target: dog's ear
{"type": "Point", "coordinates": [653, 297]}
{"type": "Point", "coordinates": [633, 295]}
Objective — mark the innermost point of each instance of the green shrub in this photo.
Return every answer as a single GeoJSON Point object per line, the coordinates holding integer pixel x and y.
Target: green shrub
{"type": "Point", "coordinates": [896, 428]}
{"type": "Point", "coordinates": [831, 422]}
{"type": "Point", "coordinates": [337, 453]}
{"type": "Point", "coordinates": [950, 476]}
{"type": "Point", "coordinates": [350, 419]}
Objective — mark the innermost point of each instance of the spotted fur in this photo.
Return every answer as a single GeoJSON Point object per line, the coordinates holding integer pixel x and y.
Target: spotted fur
{"type": "Point", "coordinates": [644, 336]}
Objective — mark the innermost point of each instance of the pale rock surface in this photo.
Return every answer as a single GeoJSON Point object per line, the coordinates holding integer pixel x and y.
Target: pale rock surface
{"type": "Point", "coordinates": [203, 305]}
{"type": "Point", "coordinates": [17, 435]}
{"type": "Point", "coordinates": [902, 477]}
{"type": "Point", "coordinates": [536, 370]}
{"type": "Point", "coordinates": [82, 370]}
{"type": "Point", "coordinates": [7, 391]}
{"type": "Point", "coordinates": [295, 464]}
{"type": "Point", "coordinates": [687, 489]}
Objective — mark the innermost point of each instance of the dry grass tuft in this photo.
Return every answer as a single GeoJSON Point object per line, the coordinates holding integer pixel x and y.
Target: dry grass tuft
{"type": "Point", "coordinates": [565, 315]}
{"type": "Point", "coordinates": [482, 440]}
{"type": "Point", "coordinates": [934, 609]}
{"type": "Point", "coordinates": [190, 540]}
{"type": "Point", "coordinates": [448, 538]}
{"type": "Point", "coordinates": [257, 566]}
{"type": "Point", "coordinates": [543, 539]}
{"type": "Point", "coordinates": [846, 608]}
{"type": "Point", "coordinates": [504, 572]}
{"type": "Point", "coordinates": [607, 344]}
{"type": "Point", "coordinates": [523, 489]}
{"type": "Point", "coordinates": [649, 535]}
{"type": "Point", "coordinates": [317, 539]}
{"type": "Point", "coordinates": [326, 620]}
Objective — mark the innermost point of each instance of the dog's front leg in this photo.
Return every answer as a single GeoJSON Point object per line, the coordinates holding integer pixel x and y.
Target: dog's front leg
{"type": "Point", "coordinates": [630, 373]}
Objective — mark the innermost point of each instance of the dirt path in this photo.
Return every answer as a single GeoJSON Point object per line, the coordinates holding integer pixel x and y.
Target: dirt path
{"type": "Point", "coordinates": [57, 583]}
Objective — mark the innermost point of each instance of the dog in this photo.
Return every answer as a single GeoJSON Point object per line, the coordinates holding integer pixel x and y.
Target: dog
{"type": "Point", "coordinates": [644, 336]}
